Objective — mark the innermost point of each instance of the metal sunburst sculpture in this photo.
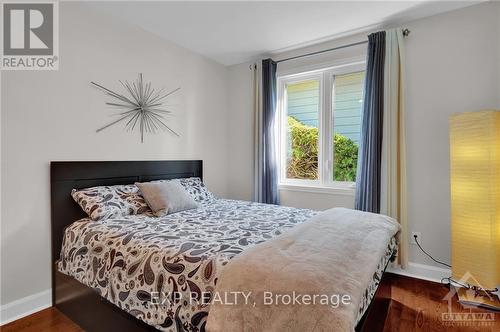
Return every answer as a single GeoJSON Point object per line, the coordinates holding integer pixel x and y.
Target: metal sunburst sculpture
{"type": "Point", "coordinates": [144, 108]}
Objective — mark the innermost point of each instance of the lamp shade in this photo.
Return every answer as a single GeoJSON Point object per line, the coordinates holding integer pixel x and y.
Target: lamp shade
{"type": "Point", "coordinates": [475, 197]}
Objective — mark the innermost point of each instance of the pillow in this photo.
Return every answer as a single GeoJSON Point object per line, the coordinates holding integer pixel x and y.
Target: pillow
{"type": "Point", "coordinates": [110, 201]}
{"type": "Point", "coordinates": [166, 197]}
{"type": "Point", "coordinates": [196, 188]}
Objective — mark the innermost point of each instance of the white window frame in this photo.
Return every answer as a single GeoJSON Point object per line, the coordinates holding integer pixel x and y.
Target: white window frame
{"type": "Point", "coordinates": [325, 76]}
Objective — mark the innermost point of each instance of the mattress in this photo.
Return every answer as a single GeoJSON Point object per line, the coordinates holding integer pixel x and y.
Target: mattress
{"type": "Point", "coordinates": [164, 271]}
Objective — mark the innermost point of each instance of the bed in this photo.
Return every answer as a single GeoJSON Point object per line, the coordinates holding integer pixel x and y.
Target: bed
{"type": "Point", "coordinates": [128, 272]}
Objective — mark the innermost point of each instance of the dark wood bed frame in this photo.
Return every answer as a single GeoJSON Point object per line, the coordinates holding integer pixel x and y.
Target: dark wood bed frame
{"type": "Point", "coordinates": [82, 304]}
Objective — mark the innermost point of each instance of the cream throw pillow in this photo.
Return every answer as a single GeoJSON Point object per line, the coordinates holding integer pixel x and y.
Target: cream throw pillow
{"type": "Point", "coordinates": [166, 197]}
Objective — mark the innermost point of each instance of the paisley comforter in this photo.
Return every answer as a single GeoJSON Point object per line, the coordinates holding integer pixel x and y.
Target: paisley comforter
{"type": "Point", "coordinates": [164, 270]}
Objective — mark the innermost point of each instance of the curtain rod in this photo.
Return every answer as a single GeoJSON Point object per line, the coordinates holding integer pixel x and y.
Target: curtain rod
{"type": "Point", "coordinates": [406, 32]}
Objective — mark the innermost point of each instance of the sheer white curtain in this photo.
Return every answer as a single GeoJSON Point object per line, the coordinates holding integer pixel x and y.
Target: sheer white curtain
{"type": "Point", "coordinates": [393, 200]}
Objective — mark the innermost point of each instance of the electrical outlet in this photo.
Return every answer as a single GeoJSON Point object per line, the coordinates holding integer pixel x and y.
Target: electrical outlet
{"type": "Point", "coordinates": [419, 236]}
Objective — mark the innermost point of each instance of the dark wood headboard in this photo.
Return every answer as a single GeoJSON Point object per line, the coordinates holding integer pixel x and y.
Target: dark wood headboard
{"type": "Point", "coordinates": [75, 300]}
{"type": "Point", "coordinates": [66, 175]}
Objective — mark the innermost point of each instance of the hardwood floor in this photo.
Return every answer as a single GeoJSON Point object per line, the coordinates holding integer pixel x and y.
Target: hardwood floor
{"type": "Point", "coordinates": [419, 305]}
{"type": "Point", "coordinates": [416, 305]}
{"type": "Point", "coordinates": [46, 320]}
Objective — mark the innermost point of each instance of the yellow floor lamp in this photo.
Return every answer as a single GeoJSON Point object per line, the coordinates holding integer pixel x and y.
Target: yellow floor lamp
{"type": "Point", "coordinates": [475, 205]}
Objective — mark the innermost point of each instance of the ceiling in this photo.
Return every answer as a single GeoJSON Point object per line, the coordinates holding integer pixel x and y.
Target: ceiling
{"type": "Point", "coordinates": [236, 32]}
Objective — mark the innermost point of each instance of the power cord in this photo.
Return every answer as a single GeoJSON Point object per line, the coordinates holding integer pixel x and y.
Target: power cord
{"type": "Point", "coordinates": [450, 281]}
{"type": "Point", "coordinates": [425, 252]}
{"type": "Point", "coordinates": [478, 291]}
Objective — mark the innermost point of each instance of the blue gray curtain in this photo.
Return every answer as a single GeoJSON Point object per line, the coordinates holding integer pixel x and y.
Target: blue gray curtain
{"type": "Point", "coordinates": [269, 187]}
{"type": "Point", "coordinates": [370, 151]}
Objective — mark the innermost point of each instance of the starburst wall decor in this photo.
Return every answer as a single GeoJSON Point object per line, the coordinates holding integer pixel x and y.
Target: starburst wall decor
{"type": "Point", "coordinates": [143, 108]}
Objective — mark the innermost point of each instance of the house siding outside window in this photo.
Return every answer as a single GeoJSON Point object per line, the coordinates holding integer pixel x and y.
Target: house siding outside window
{"type": "Point", "coordinates": [303, 104]}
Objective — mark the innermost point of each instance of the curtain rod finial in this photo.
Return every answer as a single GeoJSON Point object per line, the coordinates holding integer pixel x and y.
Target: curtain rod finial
{"type": "Point", "coordinates": [406, 32]}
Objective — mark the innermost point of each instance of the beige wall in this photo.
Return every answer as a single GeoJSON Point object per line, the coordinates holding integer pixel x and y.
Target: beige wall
{"type": "Point", "coordinates": [452, 65]}
{"type": "Point", "coordinates": [53, 116]}
{"type": "Point", "coordinates": [316, 200]}
{"type": "Point", "coordinates": [241, 139]}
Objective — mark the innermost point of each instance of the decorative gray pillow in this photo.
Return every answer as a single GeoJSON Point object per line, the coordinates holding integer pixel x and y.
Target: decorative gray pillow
{"type": "Point", "coordinates": [110, 201]}
{"type": "Point", "coordinates": [166, 197]}
{"type": "Point", "coordinates": [197, 189]}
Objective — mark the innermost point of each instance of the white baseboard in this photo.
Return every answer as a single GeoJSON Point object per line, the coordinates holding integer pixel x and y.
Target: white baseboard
{"type": "Point", "coordinates": [422, 271]}
{"type": "Point", "coordinates": [25, 306]}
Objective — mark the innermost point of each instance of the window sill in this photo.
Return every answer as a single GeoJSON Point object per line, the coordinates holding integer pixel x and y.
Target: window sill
{"type": "Point", "coordinates": [347, 189]}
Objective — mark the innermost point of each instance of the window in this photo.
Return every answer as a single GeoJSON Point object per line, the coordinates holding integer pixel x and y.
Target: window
{"type": "Point", "coordinates": [302, 139]}
{"type": "Point", "coordinates": [320, 125]}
